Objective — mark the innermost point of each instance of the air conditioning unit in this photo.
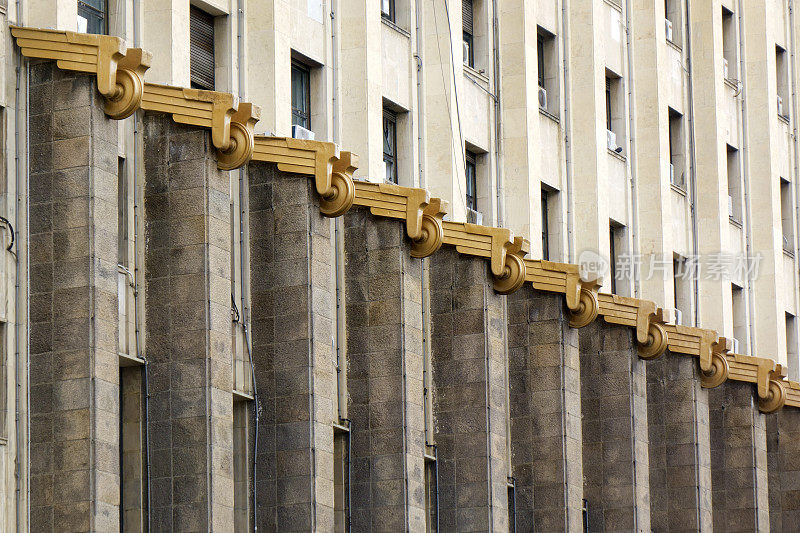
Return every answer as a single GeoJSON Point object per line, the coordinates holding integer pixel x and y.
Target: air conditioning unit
{"type": "Point", "coordinates": [730, 206]}
{"type": "Point", "coordinates": [669, 30]}
{"type": "Point", "coordinates": [672, 173]}
{"type": "Point", "coordinates": [724, 68]}
{"type": "Point", "coordinates": [780, 106]}
{"type": "Point", "coordinates": [386, 8]}
{"type": "Point", "coordinates": [299, 132]}
{"type": "Point", "coordinates": [672, 316]}
{"type": "Point", "coordinates": [542, 98]}
{"type": "Point", "coordinates": [474, 217]}
{"type": "Point", "coordinates": [735, 348]}
{"type": "Point", "coordinates": [466, 52]}
{"type": "Point", "coordinates": [611, 140]}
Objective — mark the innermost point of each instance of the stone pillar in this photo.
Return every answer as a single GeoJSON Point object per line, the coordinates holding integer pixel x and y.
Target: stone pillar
{"type": "Point", "coordinates": [293, 318]}
{"type": "Point", "coordinates": [469, 394]}
{"type": "Point", "coordinates": [384, 352]}
{"type": "Point", "coordinates": [544, 374]}
{"type": "Point", "coordinates": [738, 459]}
{"type": "Point", "coordinates": [680, 446]}
{"type": "Point", "coordinates": [783, 451]}
{"type": "Point", "coordinates": [188, 328]}
{"type": "Point", "coordinates": [615, 439]}
{"type": "Point", "coordinates": [74, 369]}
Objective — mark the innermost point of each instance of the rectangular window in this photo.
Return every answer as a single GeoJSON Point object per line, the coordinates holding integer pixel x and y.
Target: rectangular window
{"type": "Point", "coordinates": [201, 49]}
{"type": "Point", "coordinates": [545, 226]}
{"type": "Point", "coordinates": [672, 15]}
{"type": "Point", "coordinates": [782, 68]}
{"type": "Point", "coordinates": [739, 312]}
{"type": "Point", "coordinates": [341, 489]}
{"type": "Point", "coordinates": [469, 40]}
{"type": "Point", "coordinates": [301, 95]}
{"type": "Point", "coordinates": [390, 145]}
{"type": "Point", "coordinates": [729, 44]}
{"type": "Point", "coordinates": [734, 186]}
{"type": "Point", "coordinates": [387, 10]}
{"type": "Point", "coordinates": [472, 181]}
{"type": "Point", "coordinates": [615, 116]}
{"type": "Point", "coordinates": [676, 149]}
{"type": "Point", "coordinates": [431, 490]}
{"type": "Point", "coordinates": [791, 345]}
{"type": "Point", "coordinates": [680, 286]}
{"type": "Point", "coordinates": [548, 69]}
{"type": "Point", "coordinates": [93, 16]}
{"type": "Point", "coordinates": [787, 220]}
{"type": "Point", "coordinates": [612, 257]}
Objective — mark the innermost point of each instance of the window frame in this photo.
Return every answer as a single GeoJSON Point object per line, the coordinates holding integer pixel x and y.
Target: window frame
{"type": "Point", "coordinates": [540, 59]}
{"type": "Point", "coordinates": [468, 37]}
{"type": "Point", "coordinates": [545, 225]}
{"type": "Point", "coordinates": [390, 158]}
{"type": "Point", "coordinates": [194, 82]}
{"type": "Point", "coordinates": [298, 113]}
{"type": "Point", "coordinates": [84, 7]}
{"type": "Point", "coordinates": [471, 180]}
{"type": "Point", "coordinates": [391, 15]}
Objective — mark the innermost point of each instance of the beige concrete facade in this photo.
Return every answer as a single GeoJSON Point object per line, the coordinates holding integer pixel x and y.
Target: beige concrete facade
{"type": "Point", "coordinates": [732, 156]}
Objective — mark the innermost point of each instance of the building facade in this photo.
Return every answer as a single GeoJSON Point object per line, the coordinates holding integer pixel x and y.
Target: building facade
{"type": "Point", "coordinates": [357, 376]}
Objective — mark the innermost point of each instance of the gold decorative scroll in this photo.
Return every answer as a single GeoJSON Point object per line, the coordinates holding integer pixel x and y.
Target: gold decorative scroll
{"type": "Point", "coordinates": [242, 138]}
{"type": "Point", "coordinates": [766, 374]}
{"type": "Point", "coordinates": [422, 214]}
{"type": "Point", "coordinates": [504, 251]}
{"type": "Point", "coordinates": [643, 315]}
{"type": "Point", "coordinates": [120, 72]}
{"type": "Point", "coordinates": [314, 158]}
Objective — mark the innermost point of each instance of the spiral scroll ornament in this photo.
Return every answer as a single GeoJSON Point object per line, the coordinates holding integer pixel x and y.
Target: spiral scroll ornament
{"type": "Point", "coordinates": [586, 312]}
{"type": "Point", "coordinates": [127, 97]}
{"type": "Point", "coordinates": [240, 150]}
{"type": "Point", "coordinates": [717, 374]}
{"type": "Point", "coordinates": [656, 343]}
{"type": "Point", "coordinates": [430, 240]}
{"type": "Point", "coordinates": [513, 275]}
{"type": "Point", "coordinates": [339, 198]}
{"type": "Point", "coordinates": [775, 399]}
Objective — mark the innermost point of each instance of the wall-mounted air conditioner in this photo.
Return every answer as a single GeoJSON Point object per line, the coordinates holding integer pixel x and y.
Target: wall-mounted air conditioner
{"type": "Point", "coordinates": [735, 348]}
{"type": "Point", "coordinates": [466, 52]}
{"type": "Point", "coordinates": [672, 173]}
{"type": "Point", "coordinates": [386, 8]}
{"type": "Point", "coordinates": [542, 98]}
{"type": "Point", "coordinates": [672, 315]}
{"type": "Point", "coordinates": [299, 132]}
{"type": "Point", "coordinates": [474, 217]}
{"type": "Point", "coordinates": [611, 140]}
{"type": "Point", "coordinates": [730, 206]}
{"type": "Point", "coordinates": [724, 68]}
{"type": "Point", "coordinates": [780, 106]}
{"type": "Point", "coordinates": [669, 30]}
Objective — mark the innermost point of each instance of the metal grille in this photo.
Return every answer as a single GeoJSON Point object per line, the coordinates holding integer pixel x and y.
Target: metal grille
{"type": "Point", "coordinates": [466, 6]}
{"type": "Point", "coordinates": [201, 40]}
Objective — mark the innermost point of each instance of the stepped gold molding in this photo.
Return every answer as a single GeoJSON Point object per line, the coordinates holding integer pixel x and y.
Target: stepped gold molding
{"type": "Point", "coordinates": [714, 367]}
{"type": "Point", "coordinates": [644, 315]}
{"type": "Point", "coordinates": [422, 214]}
{"type": "Point", "coordinates": [504, 251]}
{"type": "Point", "coordinates": [332, 170]}
{"type": "Point", "coordinates": [231, 124]}
{"type": "Point", "coordinates": [120, 72]}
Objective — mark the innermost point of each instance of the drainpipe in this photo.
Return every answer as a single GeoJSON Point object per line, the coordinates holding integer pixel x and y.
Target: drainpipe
{"type": "Point", "coordinates": [634, 190]}
{"type": "Point", "coordinates": [565, 128]}
{"type": "Point", "coordinates": [692, 163]}
{"type": "Point", "coordinates": [792, 46]}
{"type": "Point", "coordinates": [498, 119]}
{"type": "Point", "coordinates": [746, 175]}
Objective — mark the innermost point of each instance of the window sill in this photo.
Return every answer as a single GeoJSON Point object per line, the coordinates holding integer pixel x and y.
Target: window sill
{"type": "Point", "coordinates": [616, 4]}
{"type": "Point", "coordinates": [548, 114]}
{"type": "Point", "coordinates": [733, 83]}
{"type": "Point", "coordinates": [680, 189]}
{"type": "Point", "coordinates": [395, 27]}
{"type": "Point", "coordinates": [788, 253]}
{"type": "Point", "coordinates": [735, 222]}
{"type": "Point", "coordinates": [477, 74]}
{"type": "Point", "coordinates": [676, 46]}
{"type": "Point", "coordinates": [619, 155]}
{"type": "Point", "coordinates": [784, 119]}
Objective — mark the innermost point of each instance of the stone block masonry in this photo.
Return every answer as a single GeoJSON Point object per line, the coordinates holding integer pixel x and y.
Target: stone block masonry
{"type": "Point", "coordinates": [385, 375]}
{"type": "Point", "coordinates": [545, 390]}
{"type": "Point", "coordinates": [783, 451]}
{"type": "Point", "coordinates": [292, 322]}
{"type": "Point", "coordinates": [468, 352]}
{"type": "Point", "coordinates": [188, 328]}
{"type": "Point", "coordinates": [74, 372]}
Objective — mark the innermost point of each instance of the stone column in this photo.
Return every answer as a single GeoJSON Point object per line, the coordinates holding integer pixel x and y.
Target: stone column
{"type": "Point", "coordinates": [74, 369]}
{"type": "Point", "coordinates": [188, 328]}
{"type": "Point", "coordinates": [615, 439]}
{"type": "Point", "coordinates": [469, 394]}
{"type": "Point", "coordinates": [738, 459]}
{"type": "Point", "coordinates": [783, 451]}
{"type": "Point", "coordinates": [544, 374]}
{"type": "Point", "coordinates": [680, 445]}
{"type": "Point", "coordinates": [293, 318]}
{"type": "Point", "coordinates": [384, 352]}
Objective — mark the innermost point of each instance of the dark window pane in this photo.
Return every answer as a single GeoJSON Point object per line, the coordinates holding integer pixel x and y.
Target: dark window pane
{"type": "Point", "coordinates": [201, 51]}
{"type": "Point", "coordinates": [301, 96]}
{"type": "Point", "coordinates": [472, 185]}
{"type": "Point", "coordinates": [92, 15]}
{"type": "Point", "coordinates": [390, 145]}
